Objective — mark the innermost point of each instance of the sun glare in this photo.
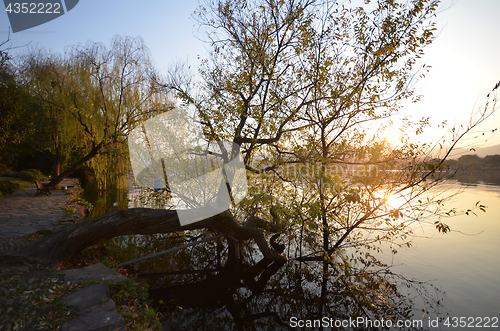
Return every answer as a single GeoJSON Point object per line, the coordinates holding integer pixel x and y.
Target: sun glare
{"type": "Point", "coordinates": [392, 136]}
{"type": "Point", "coordinates": [395, 201]}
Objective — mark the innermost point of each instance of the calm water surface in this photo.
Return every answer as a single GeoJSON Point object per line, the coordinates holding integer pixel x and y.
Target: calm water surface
{"type": "Point", "coordinates": [442, 275]}
{"type": "Point", "coordinates": [464, 263]}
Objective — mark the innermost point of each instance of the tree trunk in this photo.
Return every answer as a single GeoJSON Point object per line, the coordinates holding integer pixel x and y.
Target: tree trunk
{"type": "Point", "coordinates": [56, 180]}
{"type": "Point", "coordinates": [60, 246]}
{"type": "Point", "coordinates": [217, 290]}
{"type": "Point", "coordinates": [57, 163]}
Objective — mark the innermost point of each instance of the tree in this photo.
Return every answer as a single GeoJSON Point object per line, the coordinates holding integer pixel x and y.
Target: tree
{"type": "Point", "coordinates": [469, 161]}
{"type": "Point", "coordinates": [18, 115]}
{"type": "Point", "coordinates": [298, 84]}
{"type": "Point", "coordinates": [57, 129]}
{"type": "Point", "coordinates": [491, 161]}
{"type": "Point", "coordinates": [9, 98]}
{"type": "Point", "coordinates": [95, 96]}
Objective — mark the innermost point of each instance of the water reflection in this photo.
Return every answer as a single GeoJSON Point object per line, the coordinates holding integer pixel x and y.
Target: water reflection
{"type": "Point", "coordinates": [105, 201]}
{"type": "Point", "coordinates": [112, 199]}
{"type": "Point", "coordinates": [207, 287]}
{"type": "Point", "coordinates": [489, 177]}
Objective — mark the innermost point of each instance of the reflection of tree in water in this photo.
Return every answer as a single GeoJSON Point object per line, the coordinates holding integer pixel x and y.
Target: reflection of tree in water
{"type": "Point", "coordinates": [212, 290]}
{"type": "Point", "coordinates": [491, 177]}
{"type": "Point", "coordinates": [105, 201]}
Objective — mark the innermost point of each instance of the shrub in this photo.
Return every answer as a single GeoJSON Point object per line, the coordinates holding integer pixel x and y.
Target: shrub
{"type": "Point", "coordinates": [30, 175]}
{"type": "Point", "coordinates": [9, 173]}
{"type": "Point", "coordinates": [8, 187]}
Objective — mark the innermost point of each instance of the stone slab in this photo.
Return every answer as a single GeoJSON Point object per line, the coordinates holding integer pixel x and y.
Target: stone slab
{"type": "Point", "coordinates": [87, 297]}
{"type": "Point", "coordinates": [101, 318]}
{"type": "Point", "coordinates": [98, 272]}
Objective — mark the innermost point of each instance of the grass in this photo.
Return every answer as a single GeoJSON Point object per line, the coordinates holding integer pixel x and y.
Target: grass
{"type": "Point", "coordinates": [132, 302]}
{"type": "Point", "coordinates": [9, 186]}
{"type": "Point", "coordinates": [76, 207]}
{"type": "Point", "coordinates": [131, 297]}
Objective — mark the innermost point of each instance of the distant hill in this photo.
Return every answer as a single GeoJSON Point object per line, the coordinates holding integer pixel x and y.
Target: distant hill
{"type": "Point", "coordinates": [479, 151]}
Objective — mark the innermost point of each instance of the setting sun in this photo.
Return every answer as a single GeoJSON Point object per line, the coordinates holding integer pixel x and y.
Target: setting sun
{"type": "Point", "coordinates": [391, 134]}
{"type": "Point", "coordinates": [395, 201]}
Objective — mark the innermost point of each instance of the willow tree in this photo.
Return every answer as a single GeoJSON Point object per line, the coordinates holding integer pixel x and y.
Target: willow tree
{"type": "Point", "coordinates": [56, 128]}
{"type": "Point", "coordinates": [94, 95]}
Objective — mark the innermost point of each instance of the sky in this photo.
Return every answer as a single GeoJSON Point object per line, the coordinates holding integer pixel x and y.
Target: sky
{"type": "Point", "coordinates": [465, 57]}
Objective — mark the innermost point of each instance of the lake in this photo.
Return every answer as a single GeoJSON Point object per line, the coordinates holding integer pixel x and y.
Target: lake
{"type": "Point", "coordinates": [443, 282]}
{"type": "Point", "coordinates": [465, 263]}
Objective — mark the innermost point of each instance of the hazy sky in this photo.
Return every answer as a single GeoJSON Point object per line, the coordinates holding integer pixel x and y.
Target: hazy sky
{"type": "Point", "coordinates": [465, 58]}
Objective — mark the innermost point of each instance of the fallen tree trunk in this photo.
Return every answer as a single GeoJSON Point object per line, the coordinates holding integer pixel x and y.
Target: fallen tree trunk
{"type": "Point", "coordinates": [60, 246]}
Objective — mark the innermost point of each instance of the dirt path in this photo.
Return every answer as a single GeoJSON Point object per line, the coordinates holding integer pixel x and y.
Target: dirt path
{"type": "Point", "coordinates": [21, 213]}
{"type": "Point", "coordinates": [30, 295]}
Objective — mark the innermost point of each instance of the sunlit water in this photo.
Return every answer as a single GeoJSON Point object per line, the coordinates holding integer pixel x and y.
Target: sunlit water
{"type": "Point", "coordinates": [464, 263]}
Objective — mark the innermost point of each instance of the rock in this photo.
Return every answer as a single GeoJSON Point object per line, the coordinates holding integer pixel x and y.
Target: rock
{"type": "Point", "coordinates": [87, 297]}
{"type": "Point", "coordinates": [101, 318]}
{"type": "Point", "coordinates": [97, 272]}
